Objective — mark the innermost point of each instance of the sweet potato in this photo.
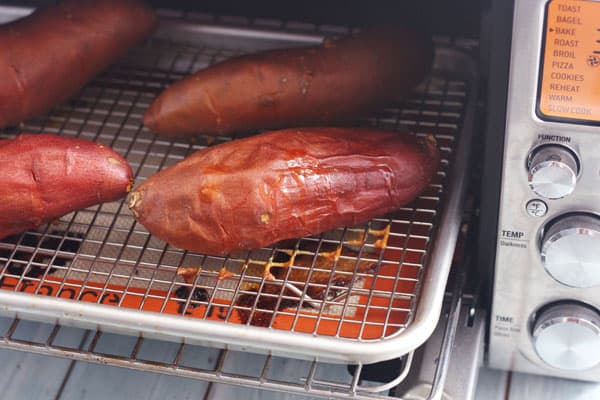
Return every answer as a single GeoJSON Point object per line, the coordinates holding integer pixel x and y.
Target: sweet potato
{"type": "Point", "coordinates": [48, 56]}
{"type": "Point", "coordinates": [46, 176]}
{"type": "Point", "coordinates": [284, 184]}
{"type": "Point", "coordinates": [341, 80]}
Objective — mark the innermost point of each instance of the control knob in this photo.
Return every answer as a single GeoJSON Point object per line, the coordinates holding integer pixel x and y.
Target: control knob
{"type": "Point", "coordinates": [567, 336]}
{"type": "Point", "coordinates": [553, 171]}
{"type": "Point", "coordinates": [570, 250]}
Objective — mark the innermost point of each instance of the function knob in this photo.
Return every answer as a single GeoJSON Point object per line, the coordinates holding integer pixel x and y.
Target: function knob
{"type": "Point", "coordinates": [570, 250]}
{"type": "Point", "coordinates": [553, 171]}
{"type": "Point", "coordinates": [567, 336]}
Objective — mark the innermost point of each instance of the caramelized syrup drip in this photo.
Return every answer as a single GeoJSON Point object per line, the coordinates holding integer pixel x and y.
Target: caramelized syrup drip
{"type": "Point", "coordinates": [188, 273]}
{"type": "Point", "coordinates": [333, 256]}
{"type": "Point", "coordinates": [384, 235]}
{"type": "Point", "coordinates": [224, 273]}
{"type": "Point", "coordinates": [326, 263]}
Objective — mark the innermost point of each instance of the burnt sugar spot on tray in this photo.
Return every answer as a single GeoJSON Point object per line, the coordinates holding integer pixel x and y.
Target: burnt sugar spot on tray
{"type": "Point", "coordinates": [34, 264]}
{"type": "Point", "coordinates": [314, 271]}
{"type": "Point", "coordinates": [198, 295]}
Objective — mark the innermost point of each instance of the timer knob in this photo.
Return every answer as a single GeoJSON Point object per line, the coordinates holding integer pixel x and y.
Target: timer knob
{"type": "Point", "coordinates": [553, 171]}
{"type": "Point", "coordinates": [570, 250]}
{"type": "Point", "coordinates": [567, 336]}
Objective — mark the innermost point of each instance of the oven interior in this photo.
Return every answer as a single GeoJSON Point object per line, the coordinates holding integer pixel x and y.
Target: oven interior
{"type": "Point", "coordinates": [99, 256]}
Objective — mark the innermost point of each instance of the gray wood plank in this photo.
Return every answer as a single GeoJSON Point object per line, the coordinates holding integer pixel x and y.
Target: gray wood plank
{"type": "Point", "coordinates": [32, 376]}
{"type": "Point", "coordinates": [281, 369]}
{"type": "Point", "coordinates": [20, 375]}
{"type": "Point", "coordinates": [533, 387]}
{"type": "Point", "coordinates": [251, 365]}
{"type": "Point", "coordinates": [491, 384]}
{"type": "Point", "coordinates": [26, 375]}
{"type": "Point", "coordinates": [219, 392]}
{"type": "Point", "coordinates": [92, 381]}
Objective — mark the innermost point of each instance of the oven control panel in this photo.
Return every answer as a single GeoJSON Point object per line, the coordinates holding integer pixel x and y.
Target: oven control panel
{"type": "Point", "coordinates": [570, 250]}
{"type": "Point", "coordinates": [546, 301]}
{"type": "Point", "coordinates": [567, 336]}
{"type": "Point", "coordinates": [553, 171]}
{"type": "Point", "coordinates": [570, 69]}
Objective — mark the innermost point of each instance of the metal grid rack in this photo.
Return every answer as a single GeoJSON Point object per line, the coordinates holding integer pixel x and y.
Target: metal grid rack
{"type": "Point", "coordinates": [373, 273]}
{"type": "Point", "coordinates": [312, 378]}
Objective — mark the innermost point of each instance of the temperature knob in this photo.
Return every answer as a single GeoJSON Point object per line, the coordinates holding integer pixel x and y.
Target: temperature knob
{"type": "Point", "coordinates": [570, 250]}
{"type": "Point", "coordinates": [567, 336]}
{"type": "Point", "coordinates": [553, 171]}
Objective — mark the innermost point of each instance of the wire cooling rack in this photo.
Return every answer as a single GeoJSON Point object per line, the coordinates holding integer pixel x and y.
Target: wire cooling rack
{"type": "Point", "coordinates": [326, 294]}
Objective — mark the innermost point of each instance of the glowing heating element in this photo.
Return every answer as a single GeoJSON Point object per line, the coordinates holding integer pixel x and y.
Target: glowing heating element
{"type": "Point", "coordinates": [570, 75]}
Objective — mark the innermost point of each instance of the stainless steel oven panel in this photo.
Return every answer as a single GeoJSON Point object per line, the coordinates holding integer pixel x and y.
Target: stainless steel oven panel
{"type": "Point", "coordinates": [522, 285]}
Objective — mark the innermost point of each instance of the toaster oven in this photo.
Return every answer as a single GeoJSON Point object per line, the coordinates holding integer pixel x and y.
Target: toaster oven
{"type": "Point", "coordinates": [492, 265]}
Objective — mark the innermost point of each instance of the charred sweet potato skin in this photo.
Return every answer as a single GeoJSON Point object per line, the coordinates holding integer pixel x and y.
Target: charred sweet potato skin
{"type": "Point", "coordinates": [48, 56]}
{"type": "Point", "coordinates": [252, 192]}
{"type": "Point", "coordinates": [338, 81]}
{"type": "Point", "coordinates": [46, 176]}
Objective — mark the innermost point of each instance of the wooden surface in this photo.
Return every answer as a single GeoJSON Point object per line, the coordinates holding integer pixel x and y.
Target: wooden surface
{"type": "Point", "coordinates": [31, 376]}
{"type": "Point", "coordinates": [501, 385]}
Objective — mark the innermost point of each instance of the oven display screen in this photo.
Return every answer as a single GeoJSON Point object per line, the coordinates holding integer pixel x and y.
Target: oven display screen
{"type": "Point", "coordinates": [569, 88]}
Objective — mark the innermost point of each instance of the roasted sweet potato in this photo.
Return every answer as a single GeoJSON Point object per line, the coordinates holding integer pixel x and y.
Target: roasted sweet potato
{"type": "Point", "coordinates": [341, 80]}
{"type": "Point", "coordinates": [290, 183]}
{"type": "Point", "coordinates": [48, 56]}
{"type": "Point", "coordinates": [46, 176]}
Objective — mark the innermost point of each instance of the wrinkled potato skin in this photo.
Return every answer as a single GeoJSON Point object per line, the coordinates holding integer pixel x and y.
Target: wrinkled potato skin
{"type": "Point", "coordinates": [252, 192]}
